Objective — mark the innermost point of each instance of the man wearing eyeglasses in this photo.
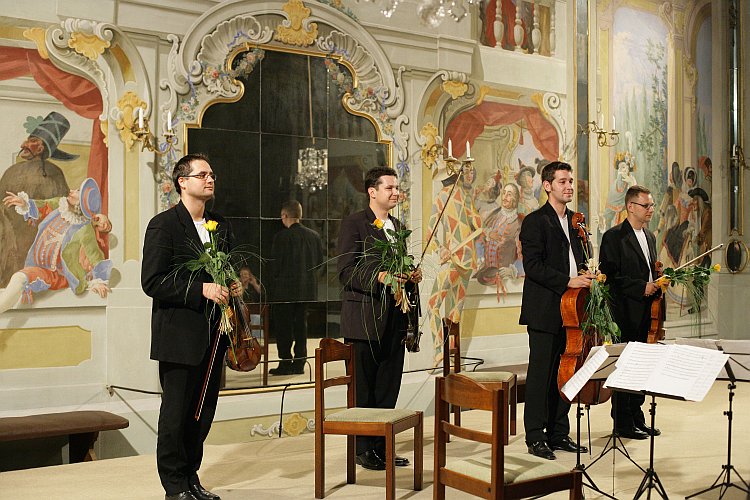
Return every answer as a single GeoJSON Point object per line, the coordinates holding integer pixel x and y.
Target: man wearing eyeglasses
{"type": "Point", "coordinates": [184, 322]}
{"type": "Point", "coordinates": [627, 256]}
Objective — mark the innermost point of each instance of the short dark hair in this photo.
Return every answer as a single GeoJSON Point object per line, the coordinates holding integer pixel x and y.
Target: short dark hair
{"type": "Point", "coordinates": [184, 166]}
{"type": "Point", "coordinates": [634, 191]}
{"type": "Point", "coordinates": [372, 177]}
{"type": "Point", "coordinates": [548, 172]}
{"type": "Point", "coordinates": [292, 208]}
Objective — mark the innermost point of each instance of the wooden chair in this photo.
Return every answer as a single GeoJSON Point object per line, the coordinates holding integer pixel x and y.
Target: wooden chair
{"type": "Point", "coordinates": [502, 380]}
{"type": "Point", "coordinates": [261, 311]}
{"type": "Point", "coordinates": [495, 474]}
{"type": "Point", "coordinates": [355, 421]}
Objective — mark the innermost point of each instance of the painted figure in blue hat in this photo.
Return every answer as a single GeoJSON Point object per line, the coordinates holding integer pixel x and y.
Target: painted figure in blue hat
{"type": "Point", "coordinates": [66, 251]}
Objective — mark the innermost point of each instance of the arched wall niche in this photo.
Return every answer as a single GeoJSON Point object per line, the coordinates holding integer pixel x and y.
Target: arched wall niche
{"type": "Point", "coordinates": [200, 72]}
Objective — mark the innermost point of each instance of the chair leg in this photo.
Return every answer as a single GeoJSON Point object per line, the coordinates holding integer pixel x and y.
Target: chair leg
{"type": "Point", "coordinates": [320, 461]}
{"type": "Point", "coordinates": [506, 411]}
{"type": "Point", "coordinates": [418, 453]}
{"type": "Point", "coordinates": [390, 464]}
{"type": "Point", "coordinates": [513, 404]}
{"type": "Point", "coordinates": [351, 466]}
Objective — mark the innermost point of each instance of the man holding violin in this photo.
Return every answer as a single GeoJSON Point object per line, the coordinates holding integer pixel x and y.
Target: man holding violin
{"type": "Point", "coordinates": [551, 259]}
{"type": "Point", "coordinates": [184, 323]}
{"type": "Point", "coordinates": [628, 258]}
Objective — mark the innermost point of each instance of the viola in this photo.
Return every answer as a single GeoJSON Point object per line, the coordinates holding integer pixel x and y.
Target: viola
{"type": "Point", "coordinates": [577, 344]}
{"type": "Point", "coordinates": [656, 325]}
{"type": "Point", "coordinates": [413, 332]}
{"type": "Point", "coordinates": [244, 351]}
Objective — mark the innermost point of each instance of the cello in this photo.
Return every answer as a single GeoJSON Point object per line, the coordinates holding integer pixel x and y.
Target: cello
{"type": "Point", "coordinates": [656, 325]}
{"type": "Point", "coordinates": [577, 344]}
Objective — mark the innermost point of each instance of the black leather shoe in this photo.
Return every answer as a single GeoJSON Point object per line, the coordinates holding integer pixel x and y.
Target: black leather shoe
{"type": "Point", "coordinates": [183, 495]}
{"type": "Point", "coordinates": [200, 492]}
{"type": "Point", "coordinates": [398, 461]}
{"type": "Point", "coordinates": [651, 431]}
{"type": "Point", "coordinates": [567, 444]}
{"type": "Point", "coordinates": [297, 368]}
{"type": "Point", "coordinates": [370, 460]}
{"type": "Point", "coordinates": [541, 449]}
{"type": "Point", "coordinates": [284, 368]}
{"type": "Point", "coordinates": [631, 433]}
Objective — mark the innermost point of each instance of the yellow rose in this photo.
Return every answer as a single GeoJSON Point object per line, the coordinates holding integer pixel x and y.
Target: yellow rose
{"type": "Point", "coordinates": [601, 277]}
{"type": "Point", "coordinates": [211, 226]}
{"type": "Point", "coordinates": [716, 268]}
{"type": "Point", "coordinates": [378, 223]}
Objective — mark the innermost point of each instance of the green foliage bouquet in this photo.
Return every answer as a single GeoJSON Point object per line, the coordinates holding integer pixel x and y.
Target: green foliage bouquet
{"type": "Point", "coordinates": [598, 315]}
{"type": "Point", "coordinates": [695, 279]}
{"type": "Point", "coordinates": [395, 260]}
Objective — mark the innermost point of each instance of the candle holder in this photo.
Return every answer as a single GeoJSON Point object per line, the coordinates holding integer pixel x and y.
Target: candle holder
{"type": "Point", "coordinates": [603, 138]}
{"type": "Point", "coordinates": [452, 164]}
{"type": "Point", "coordinates": [148, 140]}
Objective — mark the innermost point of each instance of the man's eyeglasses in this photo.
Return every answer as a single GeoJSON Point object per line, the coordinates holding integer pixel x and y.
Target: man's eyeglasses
{"type": "Point", "coordinates": [647, 206]}
{"type": "Point", "coordinates": [202, 176]}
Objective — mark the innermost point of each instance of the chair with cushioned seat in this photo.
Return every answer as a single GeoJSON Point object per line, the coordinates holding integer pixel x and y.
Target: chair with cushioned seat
{"type": "Point", "coordinates": [503, 380]}
{"type": "Point", "coordinates": [493, 474]}
{"type": "Point", "coordinates": [354, 421]}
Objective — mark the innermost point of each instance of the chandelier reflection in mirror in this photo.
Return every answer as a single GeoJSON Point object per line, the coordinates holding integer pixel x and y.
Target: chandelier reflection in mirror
{"type": "Point", "coordinates": [431, 12]}
{"type": "Point", "coordinates": [312, 169]}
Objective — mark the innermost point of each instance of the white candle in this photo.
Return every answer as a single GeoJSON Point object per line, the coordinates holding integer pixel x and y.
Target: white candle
{"type": "Point", "coordinates": [614, 126]}
{"type": "Point", "coordinates": [169, 121]}
{"type": "Point", "coordinates": [299, 165]}
{"type": "Point", "coordinates": [140, 118]}
{"type": "Point", "coordinates": [601, 121]}
{"type": "Point", "coordinates": [450, 149]}
{"type": "Point", "coordinates": [468, 150]}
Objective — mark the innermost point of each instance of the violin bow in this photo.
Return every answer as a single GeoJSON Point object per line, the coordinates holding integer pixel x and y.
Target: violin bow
{"type": "Point", "coordinates": [700, 256]}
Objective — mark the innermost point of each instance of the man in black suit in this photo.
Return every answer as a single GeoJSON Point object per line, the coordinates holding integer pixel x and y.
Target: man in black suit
{"type": "Point", "coordinates": [627, 257]}
{"type": "Point", "coordinates": [370, 319]}
{"type": "Point", "coordinates": [184, 322]}
{"type": "Point", "coordinates": [297, 261]}
{"type": "Point", "coordinates": [552, 255]}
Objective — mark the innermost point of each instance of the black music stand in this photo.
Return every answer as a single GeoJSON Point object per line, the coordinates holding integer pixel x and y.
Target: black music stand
{"type": "Point", "coordinates": [739, 355]}
{"type": "Point", "coordinates": [651, 478]}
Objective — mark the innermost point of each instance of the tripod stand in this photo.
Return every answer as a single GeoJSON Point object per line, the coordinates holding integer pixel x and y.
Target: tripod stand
{"type": "Point", "coordinates": [579, 466]}
{"type": "Point", "coordinates": [615, 444]}
{"type": "Point", "coordinates": [651, 478]}
{"type": "Point", "coordinates": [726, 470]}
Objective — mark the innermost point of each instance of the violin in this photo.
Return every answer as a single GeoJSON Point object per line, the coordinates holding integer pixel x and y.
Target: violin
{"type": "Point", "coordinates": [244, 351]}
{"type": "Point", "coordinates": [656, 325]}
{"type": "Point", "coordinates": [578, 345]}
{"type": "Point", "coordinates": [413, 332]}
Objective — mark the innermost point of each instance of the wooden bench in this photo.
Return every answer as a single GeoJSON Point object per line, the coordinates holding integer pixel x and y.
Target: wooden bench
{"type": "Point", "coordinates": [81, 427]}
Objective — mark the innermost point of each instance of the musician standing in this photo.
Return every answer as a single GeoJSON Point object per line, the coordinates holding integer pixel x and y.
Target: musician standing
{"type": "Point", "coordinates": [182, 332]}
{"type": "Point", "coordinates": [627, 257]}
{"type": "Point", "coordinates": [552, 256]}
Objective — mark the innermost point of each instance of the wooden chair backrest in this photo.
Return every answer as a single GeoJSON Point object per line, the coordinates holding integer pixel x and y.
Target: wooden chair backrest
{"type": "Point", "coordinates": [331, 350]}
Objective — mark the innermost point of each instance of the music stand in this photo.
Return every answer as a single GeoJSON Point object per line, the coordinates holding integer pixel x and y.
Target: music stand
{"type": "Point", "coordinates": [739, 358]}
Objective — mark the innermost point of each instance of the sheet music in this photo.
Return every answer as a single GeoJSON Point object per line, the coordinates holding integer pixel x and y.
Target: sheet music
{"type": "Point", "coordinates": [573, 386]}
{"type": "Point", "coordinates": [673, 370]}
{"type": "Point", "coordinates": [635, 365]}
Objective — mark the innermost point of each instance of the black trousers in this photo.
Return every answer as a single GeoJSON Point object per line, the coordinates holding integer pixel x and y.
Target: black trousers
{"type": "Point", "coordinates": [179, 445]}
{"type": "Point", "coordinates": [289, 327]}
{"type": "Point", "coordinates": [545, 416]}
{"type": "Point", "coordinates": [378, 370]}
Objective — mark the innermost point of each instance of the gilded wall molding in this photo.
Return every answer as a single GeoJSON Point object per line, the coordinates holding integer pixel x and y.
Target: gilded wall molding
{"type": "Point", "coordinates": [297, 28]}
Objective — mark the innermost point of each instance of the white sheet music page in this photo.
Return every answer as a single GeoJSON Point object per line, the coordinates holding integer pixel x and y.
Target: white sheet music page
{"type": "Point", "coordinates": [635, 365]}
{"type": "Point", "coordinates": [573, 386]}
{"type": "Point", "coordinates": [687, 372]}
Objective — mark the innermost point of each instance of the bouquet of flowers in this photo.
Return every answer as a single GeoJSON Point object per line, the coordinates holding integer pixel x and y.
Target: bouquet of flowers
{"type": "Point", "coordinates": [693, 278]}
{"type": "Point", "coordinates": [597, 313]}
{"type": "Point", "coordinates": [394, 258]}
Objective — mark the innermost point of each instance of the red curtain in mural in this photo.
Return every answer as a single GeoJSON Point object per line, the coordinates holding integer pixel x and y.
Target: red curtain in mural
{"type": "Point", "coordinates": [470, 124]}
{"type": "Point", "coordinates": [74, 92]}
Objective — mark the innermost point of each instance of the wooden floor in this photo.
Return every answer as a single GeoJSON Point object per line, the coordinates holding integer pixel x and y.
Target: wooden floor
{"type": "Point", "coordinates": [689, 456]}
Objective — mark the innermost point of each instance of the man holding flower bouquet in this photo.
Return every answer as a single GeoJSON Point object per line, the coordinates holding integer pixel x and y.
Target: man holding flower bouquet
{"type": "Point", "coordinates": [185, 317]}
{"type": "Point", "coordinates": [375, 271]}
{"type": "Point", "coordinates": [628, 256]}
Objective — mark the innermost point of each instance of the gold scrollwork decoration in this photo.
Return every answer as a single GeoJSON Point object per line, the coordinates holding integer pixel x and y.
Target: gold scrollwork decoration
{"type": "Point", "coordinates": [429, 153]}
{"type": "Point", "coordinates": [37, 35]}
{"type": "Point", "coordinates": [292, 32]}
{"type": "Point", "coordinates": [455, 89]}
{"type": "Point", "coordinates": [127, 104]}
{"type": "Point", "coordinates": [90, 46]}
{"type": "Point", "coordinates": [295, 424]}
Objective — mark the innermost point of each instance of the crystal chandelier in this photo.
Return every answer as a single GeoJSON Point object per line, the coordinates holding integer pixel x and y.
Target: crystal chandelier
{"type": "Point", "coordinates": [312, 169]}
{"type": "Point", "coordinates": [432, 12]}
{"type": "Point", "coordinates": [312, 163]}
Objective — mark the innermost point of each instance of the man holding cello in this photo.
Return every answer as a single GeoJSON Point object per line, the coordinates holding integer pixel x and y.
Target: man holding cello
{"type": "Point", "coordinates": [552, 257]}
{"type": "Point", "coordinates": [628, 258]}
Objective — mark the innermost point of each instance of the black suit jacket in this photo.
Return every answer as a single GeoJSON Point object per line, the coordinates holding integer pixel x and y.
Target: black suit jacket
{"type": "Point", "coordinates": [622, 260]}
{"type": "Point", "coordinates": [297, 257]}
{"type": "Point", "coordinates": [546, 261]}
{"type": "Point", "coordinates": [366, 303]}
{"type": "Point", "coordinates": [180, 326]}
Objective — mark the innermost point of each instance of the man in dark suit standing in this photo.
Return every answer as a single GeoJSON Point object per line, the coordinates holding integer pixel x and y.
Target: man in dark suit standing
{"type": "Point", "coordinates": [627, 256]}
{"type": "Point", "coordinates": [297, 257]}
{"type": "Point", "coordinates": [552, 256]}
{"type": "Point", "coordinates": [370, 320]}
{"type": "Point", "coordinates": [184, 321]}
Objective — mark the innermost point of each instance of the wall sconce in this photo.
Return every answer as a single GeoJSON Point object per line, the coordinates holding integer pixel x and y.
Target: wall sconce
{"type": "Point", "coordinates": [453, 165]}
{"type": "Point", "coordinates": [603, 138]}
{"type": "Point", "coordinates": [143, 133]}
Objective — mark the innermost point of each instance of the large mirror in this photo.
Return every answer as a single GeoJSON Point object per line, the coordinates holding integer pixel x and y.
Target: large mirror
{"type": "Point", "coordinates": [260, 148]}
